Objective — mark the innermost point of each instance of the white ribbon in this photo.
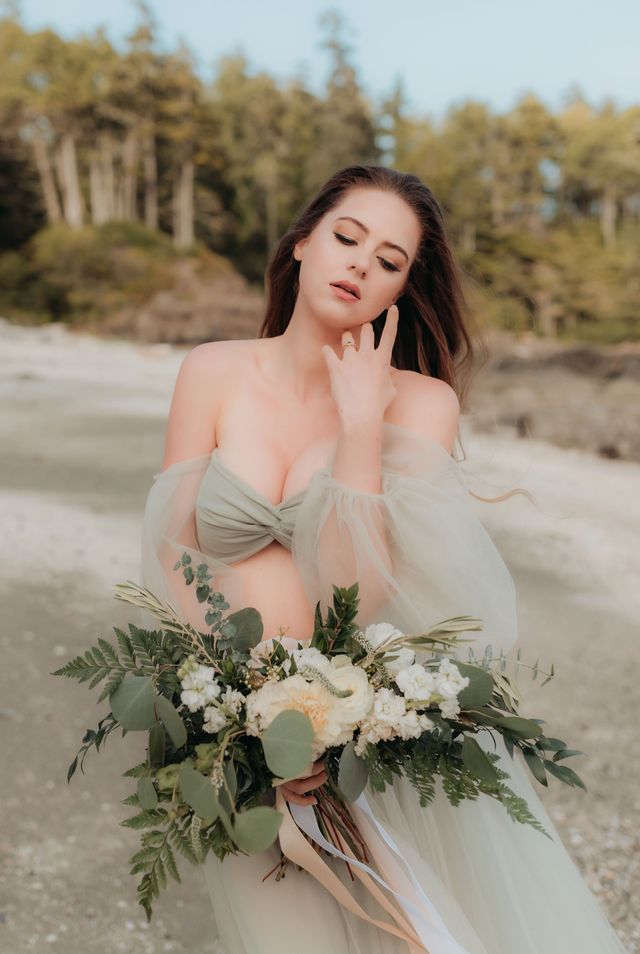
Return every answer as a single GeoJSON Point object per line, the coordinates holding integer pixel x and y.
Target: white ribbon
{"type": "Point", "coordinates": [433, 933]}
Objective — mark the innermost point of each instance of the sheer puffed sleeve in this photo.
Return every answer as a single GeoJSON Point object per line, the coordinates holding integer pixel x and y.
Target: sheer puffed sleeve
{"type": "Point", "coordinates": [417, 550]}
{"type": "Point", "coordinates": [168, 531]}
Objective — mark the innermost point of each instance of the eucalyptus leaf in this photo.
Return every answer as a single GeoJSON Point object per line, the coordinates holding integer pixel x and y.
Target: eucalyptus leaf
{"type": "Point", "coordinates": [132, 703]}
{"type": "Point", "coordinates": [249, 628]}
{"type": "Point", "coordinates": [157, 744]}
{"type": "Point", "coordinates": [287, 744]}
{"type": "Point", "coordinates": [478, 692]}
{"type": "Point", "coordinates": [171, 720]}
{"type": "Point", "coordinates": [352, 773]}
{"type": "Point", "coordinates": [255, 829]}
{"type": "Point", "coordinates": [197, 791]}
{"type": "Point", "coordinates": [476, 760]}
{"type": "Point", "coordinates": [147, 795]}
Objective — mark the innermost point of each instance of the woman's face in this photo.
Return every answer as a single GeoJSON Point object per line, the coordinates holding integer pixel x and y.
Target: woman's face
{"type": "Point", "coordinates": [375, 255]}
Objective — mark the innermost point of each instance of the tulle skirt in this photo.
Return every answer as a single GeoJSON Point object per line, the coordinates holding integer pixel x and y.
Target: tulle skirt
{"type": "Point", "coordinates": [500, 886]}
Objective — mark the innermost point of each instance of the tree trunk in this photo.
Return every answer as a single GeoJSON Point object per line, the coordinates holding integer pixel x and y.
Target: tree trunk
{"type": "Point", "coordinates": [67, 169]}
{"type": "Point", "coordinates": [608, 216]}
{"type": "Point", "coordinates": [108, 176]}
{"type": "Point", "coordinates": [129, 182]}
{"type": "Point", "coordinates": [47, 181]}
{"type": "Point", "coordinates": [183, 205]}
{"type": "Point", "coordinates": [150, 181]}
{"type": "Point", "coordinates": [97, 195]}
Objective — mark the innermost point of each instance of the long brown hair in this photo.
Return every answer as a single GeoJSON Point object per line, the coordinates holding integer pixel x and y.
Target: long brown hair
{"type": "Point", "coordinates": [437, 331]}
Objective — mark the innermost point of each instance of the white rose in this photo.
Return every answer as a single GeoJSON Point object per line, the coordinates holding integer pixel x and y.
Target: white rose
{"type": "Point", "coordinates": [353, 708]}
{"type": "Point", "coordinates": [416, 683]}
{"type": "Point", "coordinates": [378, 633]}
{"type": "Point", "coordinates": [295, 692]}
{"type": "Point", "coordinates": [450, 679]}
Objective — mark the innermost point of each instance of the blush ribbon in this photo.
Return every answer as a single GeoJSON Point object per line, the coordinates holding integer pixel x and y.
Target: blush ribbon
{"type": "Point", "coordinates": [418, 923]}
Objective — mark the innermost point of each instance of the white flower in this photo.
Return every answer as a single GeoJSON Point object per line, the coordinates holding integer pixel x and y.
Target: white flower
{"type": "Point", "coordinates": [450, 679]}
{"type": "Point", "coordinates": [233, 699]}
{"type": "Point", "coordinates": [294, 692]}
{"type": "Point", "coordinates": [214, 719]}
{"type": "Point", "coordinates": [416, 683]}
{"type": "Point", "coordinates": [353, 708]}
{"type": "Point", "coordinates": [377, 633]}
{"type": "Point", "coordinates": [388, 707]}
{"type": "Point", "coordinates": [340, 660]}
{"type": "Point", "coordinates": [413, 724]}
{"type": "Point", "coordinates": [449, 708]}
{"type": "Point", "coordinates": [310, 656]}
{"type": "Point", "coordinates": [199, 687]}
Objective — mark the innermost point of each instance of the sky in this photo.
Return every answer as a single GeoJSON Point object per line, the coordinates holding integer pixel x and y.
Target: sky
{"type": "Point", "coordinates": [493, 51]}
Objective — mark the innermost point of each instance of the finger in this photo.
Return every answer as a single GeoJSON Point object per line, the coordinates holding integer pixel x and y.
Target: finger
{"type": "Point", "coordinates": [367, 337]}
{"type": "Point", "coordinates": [348, 336]}
{"type": "Point", "coordinates": [388, 336]}
{"type": "Point", "coordinates": [302, 785]}
{"type": "Point", "coordinates": [298, 799]}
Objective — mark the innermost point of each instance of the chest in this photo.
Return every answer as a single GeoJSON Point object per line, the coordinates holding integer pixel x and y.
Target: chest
{"type": "Point", "coordinates": [274, 449]}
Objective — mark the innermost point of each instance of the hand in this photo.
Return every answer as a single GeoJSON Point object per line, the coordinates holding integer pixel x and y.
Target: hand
{"type": "Point", "coordinates": [294, 789]}
{"type": "Point", "coordinates": [361, 380]}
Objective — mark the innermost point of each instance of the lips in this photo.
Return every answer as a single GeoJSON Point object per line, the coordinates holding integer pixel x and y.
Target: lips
{"type": "Point", "coordinates": [348, 286]}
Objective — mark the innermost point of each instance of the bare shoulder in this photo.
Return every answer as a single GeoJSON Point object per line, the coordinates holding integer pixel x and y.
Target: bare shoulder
{"type": "Point", "coordinates": [427, 405]}
{"type": "Point", "coordinates": [199, 388]}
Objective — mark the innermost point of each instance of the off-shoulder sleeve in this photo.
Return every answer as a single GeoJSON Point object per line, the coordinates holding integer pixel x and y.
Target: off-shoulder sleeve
{"type": "Point", "coordinates": [417, 550]}
{"type": "Point", "coordinates": [169, 530]}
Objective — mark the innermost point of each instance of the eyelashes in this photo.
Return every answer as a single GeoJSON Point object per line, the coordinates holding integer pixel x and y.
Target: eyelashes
{"type": "Point", "coordinates": [389, 266]}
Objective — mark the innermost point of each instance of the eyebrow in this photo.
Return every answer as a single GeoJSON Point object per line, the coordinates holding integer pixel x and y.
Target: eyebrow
{"type": "Point", "coordinates": [364, 228]}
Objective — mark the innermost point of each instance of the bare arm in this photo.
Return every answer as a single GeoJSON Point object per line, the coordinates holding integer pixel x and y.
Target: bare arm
{"type": "Point", "coordinates": [190, 433]}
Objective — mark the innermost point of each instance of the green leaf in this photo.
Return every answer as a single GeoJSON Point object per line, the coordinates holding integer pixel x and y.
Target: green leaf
{"type": "Point", "coordinates": [249, 628]}
{"type": "Point", "coordinates": [147, 795]}
{"type": "Point", "coordinates": [565, 753]}
{"type": "Point", "coordinates": [478, 692]}
{"type": "Point", "coordinates": [565, 774]}
{"type": "Point", "coordinates": [535, 763]}
{"type": "Point", "coordinates": [198, 793]}
{"type": "Point", "coordinates": [171, 720]}
{"type": "Point", "coordinates": [477, 761]}
{"type": "Point", "coordinates": [230, 774]}
{"type": "Point", "coordinates": [132, 703]}
{"type": "Point", "coordinates": [255, 829]}
{"type": "Point", "coordinates": [287, 744]}
{"type": "Point", "coordinates": [352, 773]}
{"type": "Point", "coordinates": [526, 728]}
{"type": "Point", "coordinates": [157, 745]}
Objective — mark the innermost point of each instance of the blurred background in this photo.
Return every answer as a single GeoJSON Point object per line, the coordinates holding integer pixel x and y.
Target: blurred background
{"type": "Point", "coordinates": [151, 155]}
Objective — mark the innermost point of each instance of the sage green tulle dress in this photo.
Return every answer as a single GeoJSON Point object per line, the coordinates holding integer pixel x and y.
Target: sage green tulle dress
{"type": "Point", "coordinates": [495, 886]}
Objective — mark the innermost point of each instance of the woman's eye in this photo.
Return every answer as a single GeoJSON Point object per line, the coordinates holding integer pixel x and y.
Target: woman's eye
{"type": "Point", "coordinates": [390, 267]}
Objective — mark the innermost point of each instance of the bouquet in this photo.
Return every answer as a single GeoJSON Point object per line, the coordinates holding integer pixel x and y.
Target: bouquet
{"type": "Point", "coordinates": [230, 716]}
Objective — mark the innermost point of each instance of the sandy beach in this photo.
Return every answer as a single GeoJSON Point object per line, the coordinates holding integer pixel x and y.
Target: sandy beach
{"type": "Point", "coordinates": [82, 428]}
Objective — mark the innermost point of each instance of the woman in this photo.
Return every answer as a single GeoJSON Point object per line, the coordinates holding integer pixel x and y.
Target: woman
{"type": "Point", "coordinates": [321, 453]}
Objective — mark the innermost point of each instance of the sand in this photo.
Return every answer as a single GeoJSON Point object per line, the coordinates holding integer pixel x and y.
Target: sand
{"type": "Point", "coordinates": [82, 428]}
